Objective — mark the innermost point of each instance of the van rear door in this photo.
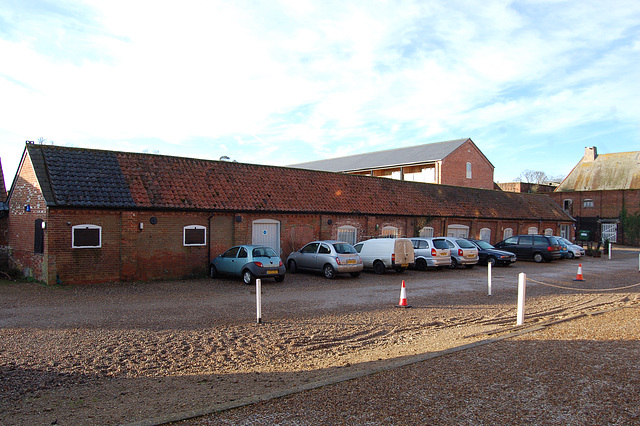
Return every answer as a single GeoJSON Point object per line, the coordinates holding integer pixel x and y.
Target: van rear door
{"type": "Point", "coordinates": [404, 254]}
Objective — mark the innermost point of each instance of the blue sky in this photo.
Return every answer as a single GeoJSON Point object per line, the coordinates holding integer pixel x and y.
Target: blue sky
{"type": "Point", "coordinates": [532, 83]}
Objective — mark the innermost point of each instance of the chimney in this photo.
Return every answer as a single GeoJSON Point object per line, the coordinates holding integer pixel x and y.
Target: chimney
{"type": "Point", "coordinates": [590, 154]}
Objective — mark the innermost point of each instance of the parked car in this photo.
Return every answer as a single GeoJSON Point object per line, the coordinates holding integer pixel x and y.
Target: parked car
{"type": "Point", "coordinates": [537, 247]}
{"type": "Point", "coordinates": [489, 254]}
{"type": "Point", "coordinates": [380, 254]}
{"type": "Point", "coordinates": [430, 253]}
{"type": "Point", "coordinates": [330, 256]}
{"type": "Point", "coordinates": [564, 250]}
{"type": "Point", "coordinates": [574, 250]}
{"type": "Point", "coordinates": [463, 252]}
{"type": "Point", "coordinates": [249, 262]}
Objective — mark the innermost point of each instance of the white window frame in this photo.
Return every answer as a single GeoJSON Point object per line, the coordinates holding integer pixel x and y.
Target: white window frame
{"type": "Point", "coordinates": [469, 170]}
{"type": "Point", "coordinates": [508, 232]}
{"type": "Point", "coordinates": [485, 234]}
{"type": "Point", "coordinates": [349, 230]}
{"type": "Point", "coordinates": [458, 231]}
{"type": "Point", "coordinates": [85, 226]}
{"type": "Point", "coordinates": [587, 203]}
{"type": "Point", "coordinates": [548, 232]}
{"type": "Point", "coordinates": [426, 232]}
{"type": "Point", "coordinates": [533, 230]}
{"type": "Point", "coordinates": [390, 232]}
{"type": "Point", "coordinates": [184, 235]}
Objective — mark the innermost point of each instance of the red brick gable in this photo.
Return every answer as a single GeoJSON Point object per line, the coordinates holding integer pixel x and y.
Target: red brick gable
{"type": "Point", "coordinates": [175, 183]}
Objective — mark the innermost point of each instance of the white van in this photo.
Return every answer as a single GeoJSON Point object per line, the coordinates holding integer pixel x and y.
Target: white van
{"type": "Point", "coordinates": [381, 254]}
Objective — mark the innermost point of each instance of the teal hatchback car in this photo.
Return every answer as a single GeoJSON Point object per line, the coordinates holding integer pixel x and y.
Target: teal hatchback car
{"type": "Point", "coordinates": [249, 262]}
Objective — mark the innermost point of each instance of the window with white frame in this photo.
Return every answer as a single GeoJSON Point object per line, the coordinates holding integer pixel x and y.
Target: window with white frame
{"type": "Point", "coordinates": [468, 170]}
{"type": "Point", "coordinates": [508, 232]}
{"type": "Point", "coordinates": [426, 232]}
{"type": "Point", "coordinates": [194, 235]}
{"type": "Point", "coordinates": [348, 234]}
{"type": "Point", "coordinates": [457, 231]}
{"type": "Point", "coordinates": [390, 232]}
{"type": "Point", "coordinates": [86, 236]}
{"type": "Point", "coordinates": [533, 230]}
{"type": "Point", "coordinates": [548, 232]}
{"type": "Point", "coordinates": [485, 234]}
{"type": "Point", "coordinates": [587, 202]}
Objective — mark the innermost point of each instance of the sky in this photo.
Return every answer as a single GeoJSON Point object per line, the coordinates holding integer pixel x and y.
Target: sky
{"type": "Point", "coordinates": [279, 82]}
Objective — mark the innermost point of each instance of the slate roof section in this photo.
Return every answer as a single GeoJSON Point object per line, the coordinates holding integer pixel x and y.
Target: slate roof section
{"type": "Point", "coordinates": [147, 181]}
{"type": "Point", "coordinates": [619, 170]}
{"type": "Point", "coordinates": [80, 177]}
{"type": "Point", "coordinates": [389, 158]}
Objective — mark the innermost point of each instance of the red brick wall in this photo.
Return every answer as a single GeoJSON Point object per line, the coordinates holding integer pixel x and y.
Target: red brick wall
{"type": "Point", "coordinates": [454, 168]}
{"type": "Point", "coordinates": [606, 204]}
{"type": "Point", "coordinates": [20, 222]}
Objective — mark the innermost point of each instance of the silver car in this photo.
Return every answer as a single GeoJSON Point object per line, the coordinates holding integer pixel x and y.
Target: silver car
{"type": "Point", "coordinates": [574, 250]}
{"type": "Point", "coordinates": [330, 257]}
{"type": "Point", "coordinates": [463, 252]}
{"type": "Point", "coordinates": [430, 253]}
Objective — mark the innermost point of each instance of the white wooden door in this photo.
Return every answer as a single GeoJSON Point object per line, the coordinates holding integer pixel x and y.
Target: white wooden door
{"type": "Point", "coordinates": [610, 232]}
{"type": "Point", "coordinates": [266, 232]}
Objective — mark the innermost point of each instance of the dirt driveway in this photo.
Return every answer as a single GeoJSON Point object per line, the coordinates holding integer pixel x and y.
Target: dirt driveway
{"type": "Point", "coordinates": [141, 352]}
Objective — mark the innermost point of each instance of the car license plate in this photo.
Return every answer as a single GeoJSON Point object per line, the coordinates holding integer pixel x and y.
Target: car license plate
{"type": "Point", "coordinates": [351, 261]}
{"type": "Point", "coordinates": [404, 265]}
{"type": "Point", "coordinates": [470, 256]}
{"type": "Point", "coordinates": [272, 271]}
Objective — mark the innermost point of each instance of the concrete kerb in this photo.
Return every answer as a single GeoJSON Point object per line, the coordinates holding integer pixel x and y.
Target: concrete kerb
{"type": "Point", "coordinates": [379, 367]}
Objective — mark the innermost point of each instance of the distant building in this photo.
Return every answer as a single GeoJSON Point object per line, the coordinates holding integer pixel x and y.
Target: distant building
{"type": "Point", "coordinates": [457, 162]}
{"type": "Point", "coordinates": [541, 188]}
{"type": "Point", "coordinates": [597, 190]}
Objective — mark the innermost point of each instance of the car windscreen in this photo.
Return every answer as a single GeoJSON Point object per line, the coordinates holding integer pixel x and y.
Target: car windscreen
{"type": "Point", "coordinates": [344, 248]}
{"type": "Point", "coordinates": [465, 244]}
{"type": "Point", "coordinates": [484, 245]}
{"type": "Point", "coordinates": [264, 252]}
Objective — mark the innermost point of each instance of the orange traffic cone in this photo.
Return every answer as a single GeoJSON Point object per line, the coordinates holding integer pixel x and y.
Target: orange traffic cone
{"type": "Point", "coordinates": [403, 297]}
{"type": "Point", "coordinates": [579, 275]}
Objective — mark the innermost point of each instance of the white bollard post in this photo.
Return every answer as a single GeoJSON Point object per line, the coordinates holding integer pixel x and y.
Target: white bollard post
{"type": "Point", "coordinates": [609, 250]}
{"type": "Point", "coordinates": [522, 288]}
{"type": "Point", "coordinates": [259, 300]}
{"type": "Point", "coordinates": [489, 278]}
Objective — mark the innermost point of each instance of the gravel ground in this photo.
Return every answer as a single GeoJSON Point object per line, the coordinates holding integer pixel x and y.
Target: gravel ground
{"type": "Point", "coordinates": [155, 352]}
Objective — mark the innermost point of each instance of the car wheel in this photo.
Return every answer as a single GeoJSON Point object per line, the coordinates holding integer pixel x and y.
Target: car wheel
{"type": "Point", "coordinates": [570, 255]}
{"type": "Point", "coordinates": [279, 278]}
{"type": "Point", "coordinates": [293, 268]}
{"type": "Point", "coordinates": [328, 271]}
{"type": "Point", "coordinates": [354, 274]}
{"type": "Point", "coordinates": [378, 267]}
{"type": "Point", "coordinates": [213, 272]}
{"type": "Point", "coordinates": [491, 260]}
{"type": "Point", "coordinates": [537, 257]}
{"type": "Point", "coordinates": [454, 263]}
{"type": "Point", "coordinates": [248, 277]}
{"type": "Point", "coordinates": [421, 264]}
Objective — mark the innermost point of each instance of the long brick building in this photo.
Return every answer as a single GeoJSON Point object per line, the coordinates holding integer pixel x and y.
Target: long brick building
{"type": "Point", "coordinates": [80, 215]}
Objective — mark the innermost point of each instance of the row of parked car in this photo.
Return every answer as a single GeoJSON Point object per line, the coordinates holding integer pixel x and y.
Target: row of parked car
{"type": "Point", "coordinates": [332, 257]}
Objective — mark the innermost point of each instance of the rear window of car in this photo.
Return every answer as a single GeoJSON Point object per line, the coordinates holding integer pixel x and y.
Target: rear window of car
{"type": "Point", "coordinates": [465, 244]}
{"type": "Point", "coordinates": [539, 240]}
{"type": "Point", "coordinates": [440, 244]}
{"type": "Point", "coordinates": [344, 248]}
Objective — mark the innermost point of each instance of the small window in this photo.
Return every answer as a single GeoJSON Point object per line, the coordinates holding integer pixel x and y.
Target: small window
{"type": "Point", "coordinates": [587, 202]}
{"type": "Point", "coordinates": [242, 254]}
{"type": "Point", "coordinates": [468, 170]}
{"type": "Point", "coordinates": [194, 235]}
{"type": "Point", "coordinates": [86, 236]}
{"type": "Point", "coordinates": [324, 249]}
{"type": "Point", "coordinates": [390, 232]}
{"type": "Point", "coordinates": [532, 230]}
{"type": "Point", "coordinates": [348, 234]}
{"type": "Point", "coordinates": [426, 232]}
{"type": "Point", "coordinates": [548, 232]}
{"type": "Point", "coordinates": [567, 204]}
{"type": "Point", "coordinates": [38, 237]}
{"type": "Point", "coordinates": [485, 234]}
{"type": "Point", "coordinates": [310, 248]}
{"type": "Point", "coordinates": [508, 232]}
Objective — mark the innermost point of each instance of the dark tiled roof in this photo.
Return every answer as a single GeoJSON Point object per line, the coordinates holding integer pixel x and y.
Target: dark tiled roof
{"type": "Point", "coordinates": [81, 177]}
{"type": "Point", "coordinates": [388, 158]}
